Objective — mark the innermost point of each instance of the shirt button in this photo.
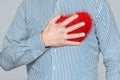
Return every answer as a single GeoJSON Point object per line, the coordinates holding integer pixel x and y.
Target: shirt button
{"type": "Point", "coordinates": [54, 67]}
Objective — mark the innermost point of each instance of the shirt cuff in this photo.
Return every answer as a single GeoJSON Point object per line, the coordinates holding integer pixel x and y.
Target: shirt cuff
{"type": "Point", "coordinates": [37, 46]}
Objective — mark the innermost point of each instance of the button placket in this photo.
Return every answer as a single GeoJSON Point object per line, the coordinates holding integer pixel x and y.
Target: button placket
{"type": "Point", "coordinates": [53, 59]}
{"type": "Point", "coordinates": [54, 67]}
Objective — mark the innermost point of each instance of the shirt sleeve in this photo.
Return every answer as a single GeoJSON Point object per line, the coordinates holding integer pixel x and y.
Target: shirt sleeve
{"type": "Point", "coordinates": [18, 48]}
{"type": "Point", "coordinates": [109, 41]}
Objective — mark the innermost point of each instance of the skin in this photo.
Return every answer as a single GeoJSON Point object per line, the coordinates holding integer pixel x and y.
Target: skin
{"type": "Point", "coordinates": [55, 34]}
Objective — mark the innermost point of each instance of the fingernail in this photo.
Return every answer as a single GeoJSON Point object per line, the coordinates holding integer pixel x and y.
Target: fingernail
{"type": "Point", "coordinates": [82, 23]}
{"type": "Point", "coordinates": [83, 34]}
{"type": "Point", "coordinates": [76, 15]}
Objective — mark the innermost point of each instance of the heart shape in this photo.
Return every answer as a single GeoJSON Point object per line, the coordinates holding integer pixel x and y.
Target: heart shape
{"type": "Point", "coordinates": [83, 16]}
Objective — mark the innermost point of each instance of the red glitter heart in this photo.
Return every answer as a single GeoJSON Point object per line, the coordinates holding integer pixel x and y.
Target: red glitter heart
{"type": "Point", "coordinates": [83, 16]}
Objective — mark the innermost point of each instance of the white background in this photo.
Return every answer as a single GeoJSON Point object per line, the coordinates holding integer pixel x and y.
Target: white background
{"type": "Point", "coordinates": [7, 12]}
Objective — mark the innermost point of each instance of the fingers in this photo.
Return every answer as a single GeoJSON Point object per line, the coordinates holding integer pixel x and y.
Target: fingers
{"type": "Point", "coordinates": [74, 27]}
{"type": "Point", "coordinates": [68, 20]}
{"type": "Point", "coordinates": [54, 20]}
{"type": "Point", "coordinates": [73, 36]}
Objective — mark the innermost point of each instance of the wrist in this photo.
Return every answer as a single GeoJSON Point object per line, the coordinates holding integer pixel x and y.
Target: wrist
{"type": "Point", "coordinates": [43, 39]}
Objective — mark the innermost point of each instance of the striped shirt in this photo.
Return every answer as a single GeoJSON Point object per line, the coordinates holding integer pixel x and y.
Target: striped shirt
{"type": "Point", "coordinates": [23, 45]}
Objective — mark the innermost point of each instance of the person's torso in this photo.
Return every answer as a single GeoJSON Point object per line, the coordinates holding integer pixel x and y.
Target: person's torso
{"type": "Point", "coordinates": [67, 62]}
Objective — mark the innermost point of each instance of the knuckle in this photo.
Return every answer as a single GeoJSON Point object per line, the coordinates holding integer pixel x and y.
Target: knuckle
{"type": "Point", "coordinates": [51, 24]}
{"type": "Point", "coordinates": [67, 21]}
{"type": "Point", "coordinates": [67, 30]}
{"type": "Point", "coordinates": [72, 28]}
{"type": "Point", "coordinates": [60, 24]}
{"type": "Point", "coordinates": [75, 27]}
{"type": "Point", "coordinates": [79, 35]}
{"type": "Point", "coordinates": [61, 31]}
{"type": "Point", "coordinates": [62, 41]}
{"type": "Point", "coordinates": [70, 36]}
{"type": "Point", "coordinates": [78, 25]}
{"type": "Point", "coordinates": [65, 36]}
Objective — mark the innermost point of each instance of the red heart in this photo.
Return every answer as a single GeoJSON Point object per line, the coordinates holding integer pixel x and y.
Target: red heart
{"type": "Point", "coordinates": [83, 16]}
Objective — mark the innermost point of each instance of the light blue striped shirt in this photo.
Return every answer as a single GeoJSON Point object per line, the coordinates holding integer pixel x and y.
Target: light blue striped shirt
{"type": "Point", "coordinates": [23, 44]}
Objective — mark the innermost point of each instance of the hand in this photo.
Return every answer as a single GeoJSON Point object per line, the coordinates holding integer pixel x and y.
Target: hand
{"type": "Point", "coordinates": [56, 34]}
